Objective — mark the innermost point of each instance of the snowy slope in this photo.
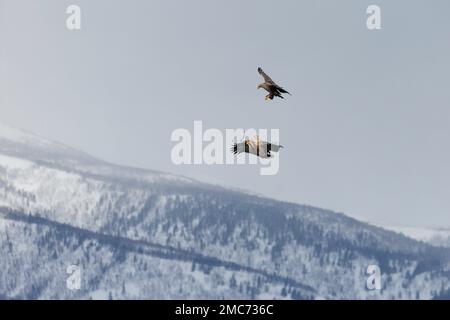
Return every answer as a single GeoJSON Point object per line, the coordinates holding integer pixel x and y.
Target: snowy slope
{"type": "Point", "coordinates": [23, 145]}
{"type": "Point", "coordinates": [144, 234]}
{"type": "Point", "coordinates": [433, 236]}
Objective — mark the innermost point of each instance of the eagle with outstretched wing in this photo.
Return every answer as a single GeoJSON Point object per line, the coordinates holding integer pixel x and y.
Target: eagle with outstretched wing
{"type": "Point", "coordinates": [270, 86]}
{"type": "Point", "coordinates": [256, 147]}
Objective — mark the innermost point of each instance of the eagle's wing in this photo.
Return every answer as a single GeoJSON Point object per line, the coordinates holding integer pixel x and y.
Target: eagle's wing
{"type": "Point", "coordinates": [270, 146]}
{"type": "Point", "coordinates": [265, 76]}
{"type": "Point", "coordinates": [275, 147]}
{"type": "Point", "coordinates": [238, 148]}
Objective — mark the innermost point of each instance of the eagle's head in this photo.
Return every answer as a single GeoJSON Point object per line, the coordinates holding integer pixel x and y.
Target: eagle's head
{"type": "Point", "coordinates": [259, 86]}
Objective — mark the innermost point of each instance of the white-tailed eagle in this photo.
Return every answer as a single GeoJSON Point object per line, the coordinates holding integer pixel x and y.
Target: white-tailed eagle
{"type": "Point", "coordinates": [256, 147]}
{"type": "Point", "coordinates": [270, 86]}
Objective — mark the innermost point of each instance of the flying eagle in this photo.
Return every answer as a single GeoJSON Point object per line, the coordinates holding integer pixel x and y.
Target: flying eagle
{"type": "Point", "coordinates": [270, 86]}
{"type": "Point", "coordinates": [258, 148]}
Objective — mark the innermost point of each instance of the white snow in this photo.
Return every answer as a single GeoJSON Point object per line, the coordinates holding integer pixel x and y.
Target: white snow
{"type": "Point", "coordinates": [433, 236]}
{"type": "Point", "coordinates": [14, 163]}
{"type": "Point", "coordinates": [19, 136]}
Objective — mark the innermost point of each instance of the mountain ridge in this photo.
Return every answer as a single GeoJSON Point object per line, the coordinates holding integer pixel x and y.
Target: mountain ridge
{"type": "Point", "coordinates": [319, 249]}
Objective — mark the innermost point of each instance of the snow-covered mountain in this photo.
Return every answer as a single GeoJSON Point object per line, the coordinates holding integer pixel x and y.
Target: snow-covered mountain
{"type": "Point", "coordinates": [439, 237]}
{"type": "Point", "coordinates": [142, 234]}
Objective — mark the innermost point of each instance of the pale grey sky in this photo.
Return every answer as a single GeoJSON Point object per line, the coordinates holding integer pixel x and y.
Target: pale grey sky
{"type": "Point", "coordinates": [366, 131]}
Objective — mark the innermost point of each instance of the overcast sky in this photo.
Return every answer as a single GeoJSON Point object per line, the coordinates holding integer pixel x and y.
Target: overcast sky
{"type": "Point", "coordinates": [366, 131]}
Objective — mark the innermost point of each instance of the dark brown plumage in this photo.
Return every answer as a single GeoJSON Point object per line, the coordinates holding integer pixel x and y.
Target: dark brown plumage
{"type": "Point", "coordinates": [270, 86]}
